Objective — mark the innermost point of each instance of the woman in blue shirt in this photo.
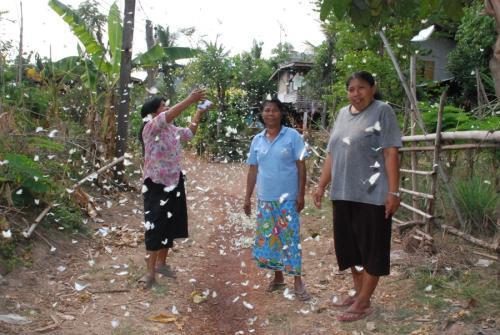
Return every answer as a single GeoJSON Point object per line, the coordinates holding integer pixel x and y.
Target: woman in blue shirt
{"type": "Point", "coordinates": [277, 167]}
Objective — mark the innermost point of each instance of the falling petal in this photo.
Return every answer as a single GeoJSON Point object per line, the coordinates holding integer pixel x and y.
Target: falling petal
{"type": "Point", "coordinates": [346, 140]}
{"type": "Point", "coordinates": [247, 305]}
{"type": "Point", "coordinates": [283, 197]}
{"type": "Point", "coordinates": [7, 233]}
{"type": "Point", "coordinates": [373, 178]}
{"type": "Point", "coordinates": [80, 287]}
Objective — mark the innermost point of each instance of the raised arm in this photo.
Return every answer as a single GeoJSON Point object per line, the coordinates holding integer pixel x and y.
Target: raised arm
{"type": "Point", "coordinates": [324, 180]}
{"type": "Point", "coordinates": [251, 180]}
{"type": "Point", "coordinates": [175, 110]}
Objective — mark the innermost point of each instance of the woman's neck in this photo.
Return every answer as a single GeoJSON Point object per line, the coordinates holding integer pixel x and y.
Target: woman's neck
{"type": "Point", "coordinates": [359, 109]}
{"type": "Point", "coordinates": [272, 132]}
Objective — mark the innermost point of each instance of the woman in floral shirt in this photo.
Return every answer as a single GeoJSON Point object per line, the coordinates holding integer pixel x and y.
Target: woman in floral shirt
{"type": "Point", "coordinates": [165, 210]}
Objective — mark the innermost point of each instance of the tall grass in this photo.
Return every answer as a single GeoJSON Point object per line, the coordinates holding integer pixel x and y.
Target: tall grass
{"type": "Point", "coordinates": [478, 202]}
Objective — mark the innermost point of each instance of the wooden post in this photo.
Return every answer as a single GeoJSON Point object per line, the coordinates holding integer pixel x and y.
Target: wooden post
{"type": "Point", "coordinates": [413, 154]}
{"type": "Point", "coordinates": [323, 116]}
{"type": "Point", "coordinates": [435, 164]}
{"type": "Point", "coordinates": [125, 68]}
{"type": "Point", "coordinates": [19, 73]}
{"type": "Point", "coordinates": [402, 79]}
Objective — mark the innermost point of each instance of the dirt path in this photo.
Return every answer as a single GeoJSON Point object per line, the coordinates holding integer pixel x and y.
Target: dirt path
{"type": "Point", "coordinates": [214, 263]}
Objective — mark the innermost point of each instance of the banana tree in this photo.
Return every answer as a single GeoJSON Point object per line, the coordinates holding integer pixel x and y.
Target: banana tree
{"type": "Point", "coordinates": [102, 66]}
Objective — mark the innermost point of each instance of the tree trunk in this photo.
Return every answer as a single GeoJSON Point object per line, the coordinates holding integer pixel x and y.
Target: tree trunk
{"type": "Point", "coordinates": [493, 9]}
{"type": "Point", "coordinates": [150, 80]}
{"type": "Point", "coordinates": [125, 68]}
{"type": "Point", "coordinates": [19, 74]}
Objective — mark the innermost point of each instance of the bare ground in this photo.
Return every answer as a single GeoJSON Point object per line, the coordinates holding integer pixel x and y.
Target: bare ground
{"type": "Point", "coordinates": [215, 263]}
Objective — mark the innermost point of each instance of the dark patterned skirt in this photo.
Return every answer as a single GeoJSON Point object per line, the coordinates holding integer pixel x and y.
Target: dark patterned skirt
{"type": "Point", "coordinates": [165, 214]}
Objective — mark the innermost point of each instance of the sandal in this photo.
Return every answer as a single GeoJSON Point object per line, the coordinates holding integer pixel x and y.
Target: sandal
{"type": "Point", "coordinates": [275, 286]}
{"type": "Point", "coordinates": [346, 302]}
{"type": "Point", "coordinates": [302, 295]}
{"type": "Point", "coordinates": [354, 316]}
{"type": "Point", "coordinates": [166, 270]}
{"type": "Point", "coordinates": [146, 282]}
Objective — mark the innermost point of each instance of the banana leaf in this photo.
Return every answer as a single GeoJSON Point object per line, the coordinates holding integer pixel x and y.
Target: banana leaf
{"type": "Point", "coordinates": [115, 32]}
{"type": "Point", "coordinates": [82, 32]}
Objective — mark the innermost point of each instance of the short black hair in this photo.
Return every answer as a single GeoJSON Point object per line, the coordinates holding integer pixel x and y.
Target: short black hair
{"type": "Point", "coordinates": [151, 105]}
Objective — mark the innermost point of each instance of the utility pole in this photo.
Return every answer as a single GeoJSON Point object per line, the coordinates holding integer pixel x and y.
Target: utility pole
{"type": "Point", "coordinates": [125, 69]}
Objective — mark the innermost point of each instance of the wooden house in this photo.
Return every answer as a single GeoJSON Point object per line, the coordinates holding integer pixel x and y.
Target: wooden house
{"type": "Point", "coordinates": [291, 83]}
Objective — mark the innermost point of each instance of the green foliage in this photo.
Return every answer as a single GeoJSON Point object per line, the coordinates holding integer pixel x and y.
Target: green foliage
{"type": "Point", "coordinates": [478, 202]}
{"type": "Point", "coordinates": [115, 33]}
{"type": "Point", "coordinates": [252, 74]}
{"type": "Point", "coordinates": [67, 216]}
{"type": "Point", "coordinates": [26, 174]}
{"type": "Point", "coordinates": [82, 32]}
{"type": "Point", "coordinates": [475, 37]}
{"type": "Point", "coordinates": [455, 119]}
{"type": "Point", "coordinates": [234, 140]}
{"type": "Point", "coordinates": [10, 251]}
{"type": "Point", "coordinates": [372, 14]}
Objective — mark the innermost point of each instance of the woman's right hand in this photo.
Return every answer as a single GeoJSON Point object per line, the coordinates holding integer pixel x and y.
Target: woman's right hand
{"type": "Point", "coordinates": [318, 196]}
{"type": "Point", "coordinates": [197, 95]}
{"type": "Point", "coordinates": [247, 207]}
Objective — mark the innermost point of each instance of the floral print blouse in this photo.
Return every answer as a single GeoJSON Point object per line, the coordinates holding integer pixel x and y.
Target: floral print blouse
{"type": "Point", "coordinates": [162, 150]}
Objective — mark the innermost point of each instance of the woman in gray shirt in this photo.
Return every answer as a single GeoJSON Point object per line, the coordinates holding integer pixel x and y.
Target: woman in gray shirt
{"type": "Point", "coordinates": [363, 167]}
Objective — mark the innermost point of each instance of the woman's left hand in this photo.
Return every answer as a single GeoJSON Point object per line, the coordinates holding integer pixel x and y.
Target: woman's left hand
{"type": "Point", "coordinates": [299, 203]}
{"type": "Point", "coordinates": [391, 205]}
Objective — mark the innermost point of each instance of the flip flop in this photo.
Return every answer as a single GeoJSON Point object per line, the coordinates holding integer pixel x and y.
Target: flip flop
{"type": "Point", "coordinates": [275, 286]}
{"type": "Point", "coordinates": [346, 302]}
{"type": "Point", "coordinates": [166, 270]}
{"type": "Point", "coordinates": [354, 316]}
{"type": "Point", "coordinates": [302, 295]}
{"type": "Point", "coordinates": [146, 282]}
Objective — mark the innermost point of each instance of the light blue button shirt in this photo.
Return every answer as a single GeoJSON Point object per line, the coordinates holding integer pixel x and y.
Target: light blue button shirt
{"type": "Point", "coordinates": [277, 176]}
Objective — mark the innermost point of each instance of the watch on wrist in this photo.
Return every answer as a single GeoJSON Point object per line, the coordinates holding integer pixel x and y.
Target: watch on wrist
{"type": "Point", "coordinates": [396, 194]}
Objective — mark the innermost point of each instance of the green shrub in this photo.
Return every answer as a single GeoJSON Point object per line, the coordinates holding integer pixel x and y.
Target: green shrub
{"type": "Point", "coordinates": [68, 216]}
{"type": "Point", "coordinates": [478, 203]}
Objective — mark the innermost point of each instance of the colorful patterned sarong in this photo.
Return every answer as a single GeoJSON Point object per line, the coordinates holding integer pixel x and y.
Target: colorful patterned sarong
{"type": "Point", "coordinates": [277, 240]}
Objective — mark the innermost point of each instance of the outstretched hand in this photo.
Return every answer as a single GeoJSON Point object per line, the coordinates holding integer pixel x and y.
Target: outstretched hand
{"type": "Point", "coordinates": [197, 95]}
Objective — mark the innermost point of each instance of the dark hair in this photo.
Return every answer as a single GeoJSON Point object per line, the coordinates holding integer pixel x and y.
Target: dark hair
{"type": "Point", "coordinates": [149, 107]}
{"type": "Point", "coordinates": [278, 103]}
{"type": "Point", "coordinates": [365, 76]}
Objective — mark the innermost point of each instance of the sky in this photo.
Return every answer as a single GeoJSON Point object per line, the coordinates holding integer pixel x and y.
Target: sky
{"type": "Point", "coordinates": [234, 23]}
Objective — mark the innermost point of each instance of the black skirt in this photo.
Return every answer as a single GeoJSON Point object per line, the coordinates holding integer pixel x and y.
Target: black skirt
{"type": "Point", "coordinates": [165, 215]}
{"type": "Point", "coordinates": [362, 236]}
